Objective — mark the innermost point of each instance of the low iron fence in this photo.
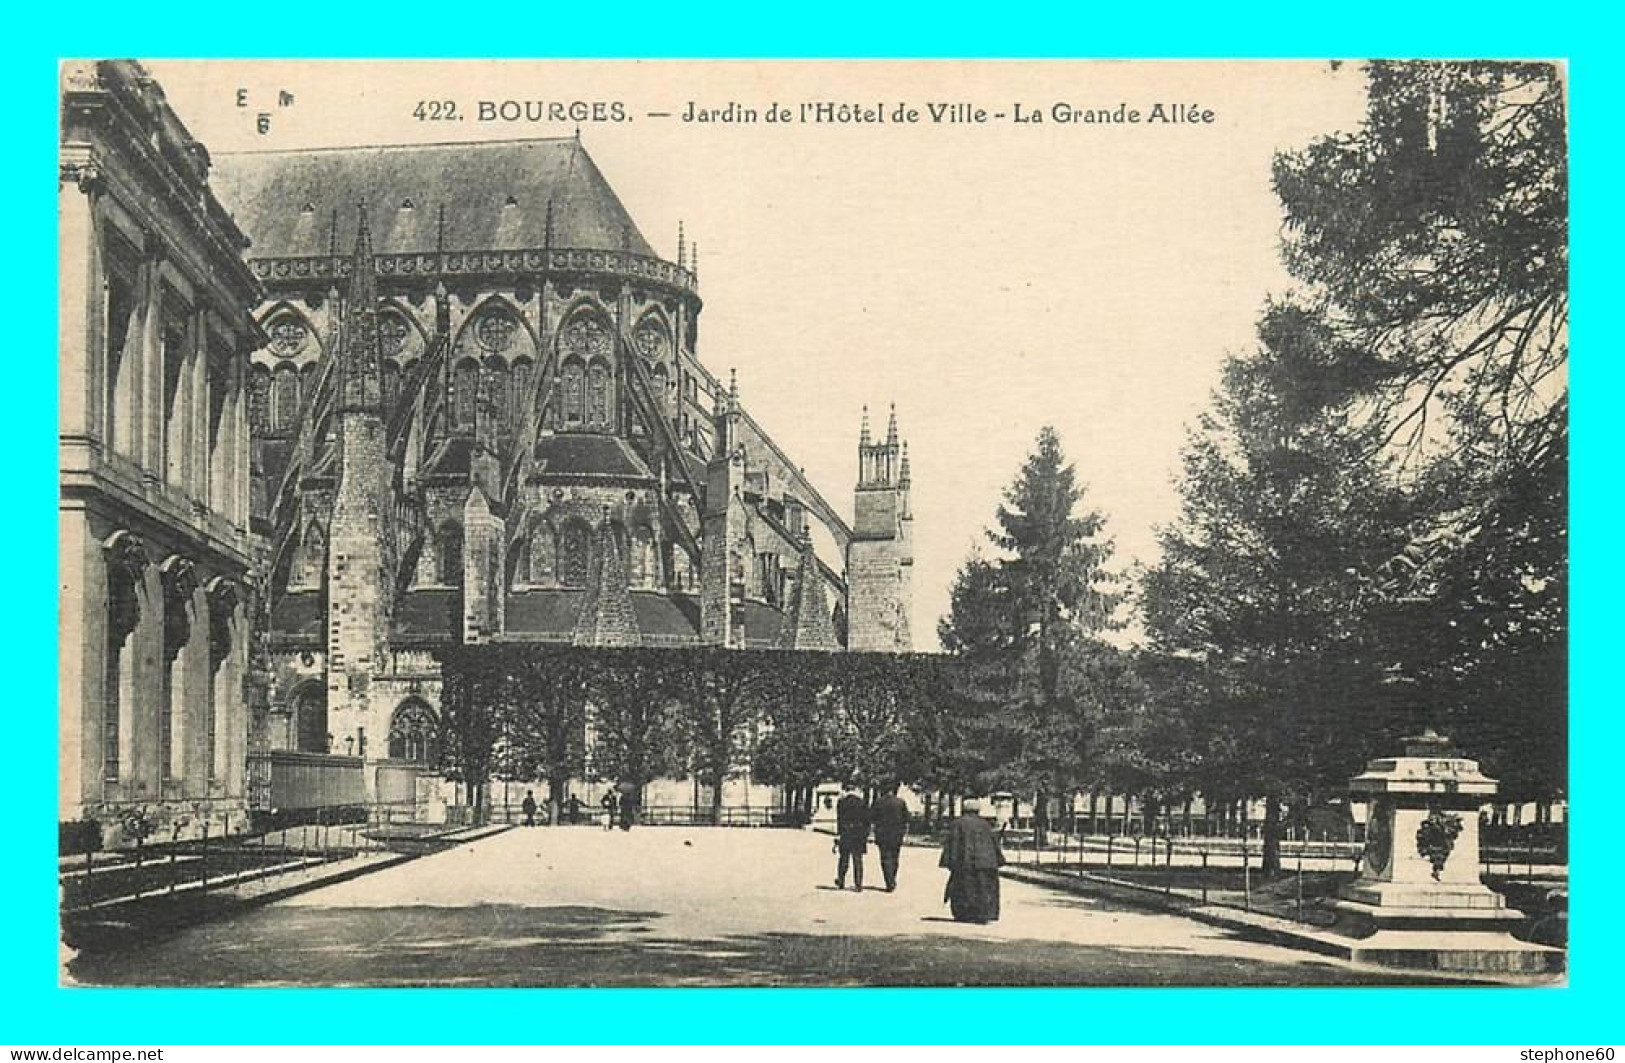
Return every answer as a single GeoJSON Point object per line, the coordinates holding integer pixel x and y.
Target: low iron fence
{"type": "Point", "coordinates": [238, 857]}
{"type": "Point", "coordinates": [1227, 871]}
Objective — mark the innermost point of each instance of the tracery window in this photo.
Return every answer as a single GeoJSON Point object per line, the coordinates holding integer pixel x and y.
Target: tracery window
{"type": "Point", "coordinates": [465, 385]}
{"type": "Point", "coordinates": [586, 336]}
{"type": "Point", "coordinates": [495, 331]}
{"type": "Point", "coordinates": [496, 375]}
{"type": "Point", "coordinates": [392, 333]}
{"type": "Point", "coordinates": [598, 396]}
{"type": "Point", "coordinates": [288, 335]}
{"type": "Point", "coordinates": [572, 385]}
{"type": "Point", "coordinates": [414, 733]}
{"type": "Point", "coordinates": [523, 370]}
{"type": "Point", "coordinates": [284, 399]}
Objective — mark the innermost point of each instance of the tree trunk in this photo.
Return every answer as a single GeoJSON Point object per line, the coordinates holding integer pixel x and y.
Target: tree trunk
{"type": "Point", "coordinates": [1040, 819]}
{"type": "Point", "coordinates": [1094, 805]}
{"type": "Point", "coordinates": [1271, 862]}
{"type": "Point", "coordinates": [1149, 808]}
{"type": "Point", "coordinates": [555, 800]}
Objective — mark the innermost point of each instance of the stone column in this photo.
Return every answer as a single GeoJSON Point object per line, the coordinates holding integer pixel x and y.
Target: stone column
{"type": "Point", "coordinates": [79, 324]}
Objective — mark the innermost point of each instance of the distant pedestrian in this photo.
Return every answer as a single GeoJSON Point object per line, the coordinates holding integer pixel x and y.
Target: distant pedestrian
{"type": "Point", "coordinates": [890, 816]}
{"type": "Point", "coordinates": [973, 858]}
{"type": "Point", "coordinates": [851, 836]}
{"type": "Point", "coordinates": [608, 804]}
{"type": "Point", "coordinates": [529, 806]}
{"type": "Point", "coordinates": [629, 808]}
{"type": "Point", "coordinates": [575, 809]}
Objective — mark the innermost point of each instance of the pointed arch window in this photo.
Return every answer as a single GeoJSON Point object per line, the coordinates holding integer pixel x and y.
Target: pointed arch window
{"type": "Point", "coordinates": [465, 386]}
{"type": "Point", "coordinates": [449, 571]}
{"type": "Point", "coordinates": [543, 555]}
{"type": "Point", "coordinates": [497, 379]}
{"type": "Point", "coordinates": [572, 384]}
{"type": "Point", "coordinates": [414, 733]}
{"type": "Point", "coordinates": [523, 381]}
{"type": "Point", "coordinates": [284, 400]}
{"type": "Point", "coordinates": [575, 555]}
{"type": "Point", "coordinates": [598, 396]}
{"type": "Point", "coordinates": [310, 718]}
{"type": "Point", "coordinates": [644, 566]}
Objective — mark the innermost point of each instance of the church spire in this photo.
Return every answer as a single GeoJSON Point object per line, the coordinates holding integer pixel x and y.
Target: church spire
{"type": "Point", "coordinates": [359, 359]}
{"type": "Point", "coordinates": [863, 430]}
{"type": "Point", "coordinates": [891, 427]}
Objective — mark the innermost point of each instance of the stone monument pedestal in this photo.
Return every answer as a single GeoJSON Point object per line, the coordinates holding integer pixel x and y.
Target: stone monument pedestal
{"type": "Point", "coordinates": [1419, 901]}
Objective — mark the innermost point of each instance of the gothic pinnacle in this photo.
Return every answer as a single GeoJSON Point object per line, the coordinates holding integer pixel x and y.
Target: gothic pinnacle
{"type": "Point", "coordinates": [891, 427]}
{"type": "Point", "coordinates": [863, 431]}
{"type": "Point", "coordinates": [903, 474]}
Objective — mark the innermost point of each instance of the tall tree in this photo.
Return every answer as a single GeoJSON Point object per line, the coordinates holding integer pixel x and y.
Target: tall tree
{"type": "Point", "coordinates": [717, 700]}
{"type": "Point", "coordinates": [1016, 618]}
{"type": "Point", "coordinates": [1435, 236]}
{"type": "Point", "coordinates": [1260, 581]}
{"type": "Point", "coordinates": [634, 717]}
{"type": "Point", "coordinates": [541, 699]}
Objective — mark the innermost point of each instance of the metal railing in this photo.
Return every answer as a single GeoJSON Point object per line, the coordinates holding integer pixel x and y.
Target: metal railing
{"type": "Point", "coordinates": [236, 859]}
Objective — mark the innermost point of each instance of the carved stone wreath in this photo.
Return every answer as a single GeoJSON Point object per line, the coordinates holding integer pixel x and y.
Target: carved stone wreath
{"type": "Point", "coordinates": [1436, 838]}
{"type": "Point", "coordinates": [288, 336]}
{"type": "Point", "coordinates": [495, 332]}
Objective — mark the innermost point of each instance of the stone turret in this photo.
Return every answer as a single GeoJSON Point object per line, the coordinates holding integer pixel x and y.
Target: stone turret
{"type": "Point", "coordinates": [880, 558]}
{"type": "Point", "coordinates": [723, 526]}
{"type": "Point", "coordinates": [358, 585]}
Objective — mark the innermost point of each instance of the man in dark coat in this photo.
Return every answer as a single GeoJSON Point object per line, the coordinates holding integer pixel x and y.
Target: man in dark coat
{"type": "Point", "coordinates": [851, 836]}
{"type": "Point", "coordinates": [608, 803]}
{"type": "Point", "coordinates": [973, 858]}
{"type": "Point", "coordinates": [890, 816]}
{"type": "Point", "coordinates": [528, 805]}
{"type": "Point", "coordinates": [629, 809]}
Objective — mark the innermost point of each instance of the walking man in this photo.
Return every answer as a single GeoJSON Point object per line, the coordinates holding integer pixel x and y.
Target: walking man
{"type": "Point", "coordinates": [890, 817]}
{"type": "Point", "coordinates": [609, 805]}
{"type": "Point", "coordinates": [851, 836]}
{"type": "Point", "coordinates": [529, 807]}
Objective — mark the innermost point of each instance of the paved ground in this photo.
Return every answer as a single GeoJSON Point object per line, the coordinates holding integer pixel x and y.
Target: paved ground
{"type": "Point", "coordinates": [680, 906]}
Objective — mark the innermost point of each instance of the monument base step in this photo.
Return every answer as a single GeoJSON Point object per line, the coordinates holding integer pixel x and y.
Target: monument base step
{"type": "Point", "coordinates": [1479, 951]}
{"type": "Point", "coordinates": [1363, 918]}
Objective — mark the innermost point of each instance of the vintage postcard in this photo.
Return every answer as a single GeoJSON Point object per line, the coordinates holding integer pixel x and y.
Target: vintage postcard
{"type": "Point", "coordinates": [700, 523]}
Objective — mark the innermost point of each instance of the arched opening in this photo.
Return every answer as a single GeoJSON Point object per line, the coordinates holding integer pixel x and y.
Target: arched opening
{"type": "Point", "coordinates": [644, 565]}
{"type": "Point", "coordinates": [310, 719]}
{"type": "Point", "coordinates": [600, 397]}
{"type": "Point", "coordinates": [523, 380]}
{"type": "Point", "coordinates": [465, 384]}
{"type": "Point", "coordinates": [414, 733]}
{"type": "Point", "coordinates": [449, 544]}
{"type": "Point", "coordinates": [501, 401]}
{"type": "Point", "coordinates": [284, 399]}
{"type": "Point", "coordinates": [575, 554]}
{"type": "Point", "coordinates": [543, 554]}
{"type": "Point", "coordinates": [572, 384]}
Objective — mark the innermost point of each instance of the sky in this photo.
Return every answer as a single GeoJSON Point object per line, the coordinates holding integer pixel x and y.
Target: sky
{"type": "Point", "coordinates": [988, 277]}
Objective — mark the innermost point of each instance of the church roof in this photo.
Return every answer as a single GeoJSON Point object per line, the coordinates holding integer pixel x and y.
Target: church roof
{"type": "Point", "coordinates": [495, 195]}
{"type": "Point", "coordinates": [590, 454]}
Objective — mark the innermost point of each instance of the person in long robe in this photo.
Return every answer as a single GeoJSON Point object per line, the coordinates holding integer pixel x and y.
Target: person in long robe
{"type": "Point", "coordinates": [973, 858]}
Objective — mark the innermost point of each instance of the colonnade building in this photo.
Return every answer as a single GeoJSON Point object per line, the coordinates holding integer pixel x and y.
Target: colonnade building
{"type": "Point", "coordinates": [155, 329]}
